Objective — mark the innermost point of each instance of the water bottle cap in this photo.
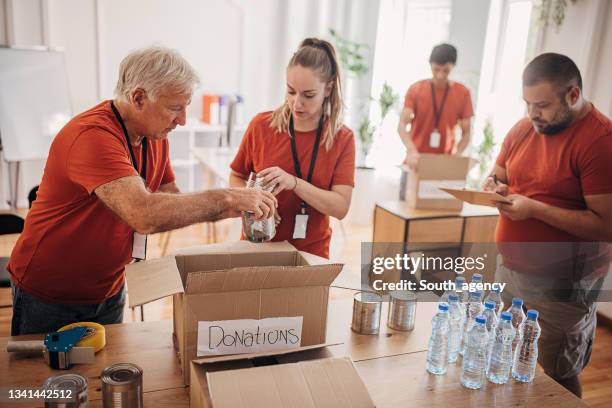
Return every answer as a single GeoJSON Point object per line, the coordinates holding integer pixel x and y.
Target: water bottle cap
{"type": "Point", "coordinates": [453, 297]}
{"type": "Point", "coordinates": [489, 304]}
{"type": "Point", "coordinates": [476, 277]}
{"type": "Point", "coordinates": [517, 302]}
{"type": "Point", "coordinates": [443, 307]}
{"type": "Point", "coordinates": [460, 279]}
{"type": "Point", "coordinates": [506, 316]}
{"type": "Point", "coordinates": [480, 319]}
{"type": "Point", "coordinates": [532, 314]}
{"type": "Point", "coordinates": [495, 289]}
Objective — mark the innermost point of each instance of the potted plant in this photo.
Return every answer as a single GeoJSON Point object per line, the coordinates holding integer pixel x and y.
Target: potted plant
{"type": "Point", "coordinates": [485, 156]}
{"type": "Point", "coordinates": [365, 135]}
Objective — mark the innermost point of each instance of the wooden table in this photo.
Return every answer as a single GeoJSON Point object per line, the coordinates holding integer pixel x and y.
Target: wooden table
{"type": "Point", "coordinates": [441, 231]}
{"type": "Point", "coordinates": [392, 365]}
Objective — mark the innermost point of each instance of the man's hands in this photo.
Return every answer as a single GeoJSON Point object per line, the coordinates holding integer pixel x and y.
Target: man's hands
{"type": "Point", "coordinates": [490, 184]}
{"type": "Point", "coordinates": [261, 203]}
{"type": "Point", "coordinates": [520, 208]}
{"type": "Point", "coordinates": [412, 159]}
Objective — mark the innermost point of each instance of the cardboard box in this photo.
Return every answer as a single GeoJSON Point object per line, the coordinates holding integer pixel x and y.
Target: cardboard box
{"type": "Point", "coordinates": [231, 281]}
{"type": "Point", "coordinates": [307, 377]}
{"type": "Point", "coordinates": [437, 170]}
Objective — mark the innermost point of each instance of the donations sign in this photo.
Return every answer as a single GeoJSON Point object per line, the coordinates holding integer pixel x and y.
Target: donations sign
{"type": "Point", "coordinates": [249, 335]}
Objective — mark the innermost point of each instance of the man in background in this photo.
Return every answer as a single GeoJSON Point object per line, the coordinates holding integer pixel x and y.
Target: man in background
{"type": "Point", "coordinates": [433, 109]}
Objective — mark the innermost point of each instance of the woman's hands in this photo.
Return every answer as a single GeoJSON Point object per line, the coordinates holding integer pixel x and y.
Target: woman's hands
{"type": "Point", "coordinates": [279, 178]}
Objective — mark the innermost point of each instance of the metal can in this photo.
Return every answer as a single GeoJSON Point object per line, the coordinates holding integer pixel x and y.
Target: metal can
{"type": "Point", "coordinates": [70, 390]}
{"type": "Point", "coordinates": [366, 312]}
{"type": "Point", "coordinates": [402, 310]}
{"type": "Point", "coordinates": [122, 386]}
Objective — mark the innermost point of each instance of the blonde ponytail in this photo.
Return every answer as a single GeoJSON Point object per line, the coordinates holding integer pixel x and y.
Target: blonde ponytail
{"type": "Point", "coordinates": [320, 56]}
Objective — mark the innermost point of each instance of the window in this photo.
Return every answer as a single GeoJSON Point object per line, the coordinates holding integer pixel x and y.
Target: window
{"type": "Point", "coordinates": [506, 53]}
{"type": "Point", "coordinates": [407, 31]}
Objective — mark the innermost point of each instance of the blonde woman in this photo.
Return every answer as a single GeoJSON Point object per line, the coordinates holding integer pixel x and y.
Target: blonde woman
{"type": "Point", "coordinates": [304, 150]}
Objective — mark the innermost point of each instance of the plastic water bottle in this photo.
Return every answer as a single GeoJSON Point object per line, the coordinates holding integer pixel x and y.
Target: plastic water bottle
{"type": "Point", "coordinates": [437, 353]}
{"type": "Point", "coordinates": [526, 355]}
{"type": "Point", "coordinates": [473, 308]}
{"type": "Point", "coordinates": [491, 315]}
{"type": "Point", "coordinates": [475, 357]}
{"type": "Point", "coordinates": [516, 310]}
{"type": "Point", "coordinates": [459, 281]}
{"type": "Point", "coordinates": [495, 296]}
{"type": "Point", "coordinates": [500, 362]}
{"type": "Point", "coordinates": [477, 278]}
{"type": "Point", "coordinates": [455, 313]}
{"type": "Point", "coordinates": [463, 294]}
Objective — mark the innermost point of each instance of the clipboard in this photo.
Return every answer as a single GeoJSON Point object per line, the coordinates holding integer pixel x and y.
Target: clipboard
{"type": "Point", "coordinates": [487, 198]}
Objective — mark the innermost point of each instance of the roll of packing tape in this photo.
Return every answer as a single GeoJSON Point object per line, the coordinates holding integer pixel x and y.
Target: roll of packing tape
{"type": "Point", "coordinates": [95, 337]}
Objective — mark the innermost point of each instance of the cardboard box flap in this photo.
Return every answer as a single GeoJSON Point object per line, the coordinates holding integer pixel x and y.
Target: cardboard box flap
{"type": "Point", "coordinates": [312, 259]}
{"type": "Point", "coordinates": [250, 356]}
{"type": "Point", "coordinates": [441, 166]}
{"type": "Point", "coordinates": [237, 247]}
{"type": "Point", "coordinates": [335, 382]}
{"type": "Point", "coordinates": [261, 277]}
{"type": "Point", "coordinates": [329, 382]}
{"type": "Point", "coordinates": [151, 280]}
{"type": "Point", "coordinates": [215, 261]}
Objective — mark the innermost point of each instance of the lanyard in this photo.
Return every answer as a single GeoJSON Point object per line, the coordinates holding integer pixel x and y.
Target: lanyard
{"type": "Point", "coordinates": [143, 174]}
{"type": "Point", "coordinates": [438, 114]}
{"type": "Point", "coordinates": [313, 159]}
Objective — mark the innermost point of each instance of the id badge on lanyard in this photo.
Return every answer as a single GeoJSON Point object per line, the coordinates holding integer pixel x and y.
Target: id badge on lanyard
{"type": "Point", "coordinates": [435, 138]}
{"type": "Point", "coordinates": [139, 242]}
{"type": "Point", "coordinates": [139, 246]}
{"type": "Point", "coordinates": [300, 228]}
{"type": "Point", "coordinates": [301, 225]}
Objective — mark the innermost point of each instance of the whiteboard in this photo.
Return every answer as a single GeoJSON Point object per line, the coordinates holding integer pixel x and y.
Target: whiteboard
{"type": "Point", "coordinates": [34, 101]}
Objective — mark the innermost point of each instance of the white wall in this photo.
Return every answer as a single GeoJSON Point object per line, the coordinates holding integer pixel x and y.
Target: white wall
{"type": "Point", "coordinates": [23, 25]}
{"type": "Point", "coordinates": [237, 46]}
{"type": "Point", "coordinates": [3, 28]}
{"type": "Point", "coordinates": [601, 84]}
{"type": "Point", "coordinates": [586, 37]}
{"type": "Point", "coordinates": [71, 25]}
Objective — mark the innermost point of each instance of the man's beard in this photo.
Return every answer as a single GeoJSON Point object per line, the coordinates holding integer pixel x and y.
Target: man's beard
{"type": "Point", "coordinates": [559, 123]}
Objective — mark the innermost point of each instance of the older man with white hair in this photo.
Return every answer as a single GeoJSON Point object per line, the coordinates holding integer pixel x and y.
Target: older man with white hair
{"type": "Point", "coordinates": [108, 183]}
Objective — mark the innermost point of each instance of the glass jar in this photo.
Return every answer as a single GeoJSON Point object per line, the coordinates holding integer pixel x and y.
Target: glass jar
{"type": "Point", "coordinates": [258, 231]}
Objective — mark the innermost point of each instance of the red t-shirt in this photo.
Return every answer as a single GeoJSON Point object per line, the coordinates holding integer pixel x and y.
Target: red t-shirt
{"type": "Point", "coordinates": [559, 170]}
{"type": "Point", "coordinates": [263, 147]}
{"type": "Point", "coordinates": [458, 106]}
{"type": "Point", "coordinates": [73, 249]}
{"type": "Point", "coordinates": [556, 169]}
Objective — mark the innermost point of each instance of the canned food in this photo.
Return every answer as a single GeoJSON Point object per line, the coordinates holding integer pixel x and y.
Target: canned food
{"type": "Point", "coordinates": [402, 310]}
{"type": "Point", "coordinates": [366, 312]}
{"type": "Point", "coordinates": [66, 391]}
{"type": "Point", "coordinates": [122, 386]}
